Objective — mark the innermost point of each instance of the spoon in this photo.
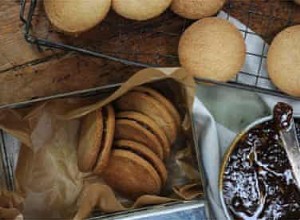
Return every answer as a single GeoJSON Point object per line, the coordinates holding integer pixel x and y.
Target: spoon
{"type": "Point", "coordinates": [285, 124]}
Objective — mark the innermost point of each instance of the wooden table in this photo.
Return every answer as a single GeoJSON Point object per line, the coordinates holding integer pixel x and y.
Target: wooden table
{"type": "Point", "coordinates": [27, 73]}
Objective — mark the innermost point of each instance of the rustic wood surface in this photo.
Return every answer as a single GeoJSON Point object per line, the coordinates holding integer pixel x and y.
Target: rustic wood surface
{"type": "Point", "coordinates": [27, 73]}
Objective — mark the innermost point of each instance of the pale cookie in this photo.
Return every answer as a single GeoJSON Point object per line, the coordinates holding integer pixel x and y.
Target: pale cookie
{"type": "Point", "coordinates": [284, 59]}
{"type": "Point", "coordinates": [76, 16]}
{"type": "Point", "coordinates": [140, 10]}
{"type": "Point", "coordinates": [212, 48]}
{"type": "Point", "coordinates": [196, 9]}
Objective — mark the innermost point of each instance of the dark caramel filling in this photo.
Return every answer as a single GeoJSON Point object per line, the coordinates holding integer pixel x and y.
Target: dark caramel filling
{"type": "Point", "coordinates": [258, 181]}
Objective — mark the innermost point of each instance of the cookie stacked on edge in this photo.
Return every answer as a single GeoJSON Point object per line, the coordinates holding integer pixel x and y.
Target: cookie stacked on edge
{"type": "Point", "coordinates": [128, 146]}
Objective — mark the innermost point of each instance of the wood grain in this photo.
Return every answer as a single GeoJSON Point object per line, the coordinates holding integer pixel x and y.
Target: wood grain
{"type": "Point", "coordinates": [70, 73]}
{"type": "Point", "coordinates": [14, 50]}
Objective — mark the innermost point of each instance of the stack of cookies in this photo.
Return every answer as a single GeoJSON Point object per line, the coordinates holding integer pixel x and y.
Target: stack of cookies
{"type": "Point", "coordinates": [127, 144]}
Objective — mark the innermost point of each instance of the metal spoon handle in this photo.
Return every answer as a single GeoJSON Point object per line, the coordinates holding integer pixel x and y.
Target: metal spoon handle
{"type": "Point", "coordinates": [283, 117]}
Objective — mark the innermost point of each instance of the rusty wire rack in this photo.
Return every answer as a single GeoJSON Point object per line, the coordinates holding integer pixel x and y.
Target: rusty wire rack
{"type": "Point", "coordinates": [154, 43]}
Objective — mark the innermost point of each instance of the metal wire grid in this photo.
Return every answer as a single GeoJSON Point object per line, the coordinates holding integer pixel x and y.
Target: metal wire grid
{"type": "Point", "coordinates": [130, 35]}
{"type": "Point", "coordinates": [7, 164]}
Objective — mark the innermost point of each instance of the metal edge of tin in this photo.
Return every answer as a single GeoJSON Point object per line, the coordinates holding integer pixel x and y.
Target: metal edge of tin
{"type": "Point", "coordinates": [186, 208]}
{"type": "Point", "coordinates": [85, 92]}
{"type": "Point", "coordinates": [228, 153]}
{"type": "Point", "coordinates": [200, 166]}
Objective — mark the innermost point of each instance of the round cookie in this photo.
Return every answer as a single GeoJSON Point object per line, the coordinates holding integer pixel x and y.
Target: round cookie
{"type": "Point", "coordinates": [212, 48]}
{"type": "Point", "coordinates": [297, 2]}
{"type": "Point", "coordinates": [283, 61]}
{"type": "Point", "coordinates": [148, 105]}
{"type": "Point", "coordinates": [164, 101]}
{"type": "Point", "coordinates": [76, 16]}
{"type": "Point", "coordinates": [147, 154]}
{"type": "Point", "coordinates": [95, 140]}
{"type": "Point", "coordinates": [148, 124]}
{"type": "Point", "coordinates": [131, 175]}
{"type": "Point", "coordinates": [107, 138]}
{"type": "Point", "coordinates": [196, 9]}
{"type": "Point", "coordinates": [90, 140]}
{"type": "Point", "coordinates": [132, 130]}
{"type": "Point", "coordinates": [140, 10]}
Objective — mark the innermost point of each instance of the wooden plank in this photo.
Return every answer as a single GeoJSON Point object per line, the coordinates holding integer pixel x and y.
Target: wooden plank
{"type": "Point", "coordinates": [61, 75]}
{"type": "Point", "coordinates": [14, 50]}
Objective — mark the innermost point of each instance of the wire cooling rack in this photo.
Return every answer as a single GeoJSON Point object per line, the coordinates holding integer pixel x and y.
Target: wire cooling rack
{"type": "Point", "coordinates": [154, 43]}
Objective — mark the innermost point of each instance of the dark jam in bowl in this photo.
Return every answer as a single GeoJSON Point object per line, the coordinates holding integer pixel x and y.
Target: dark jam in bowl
{"type": "Point", "coordinates": [257, 180]}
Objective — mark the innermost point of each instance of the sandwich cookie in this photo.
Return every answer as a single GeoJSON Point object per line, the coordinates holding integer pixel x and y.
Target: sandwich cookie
{"type": "Point", "coordinates": [164, 101]}
{"type": "Point", "coordinates": [148, 104]}
{"type": "Point", "coordinates": [76, 16]}
{"type": "Point", "coordinates": [212, 48]}
{"type": "Point", "coordinates": [196, 9]}
{"type": "Point", "coordinates": [140, 10]}
{"type": "Point", "coordinates": [134, 170]}
{"type": "Point", "coordinates": [283, 61]}
{"type": "Point", "coordinates": [141, 128]}
{"type": "Point", "coordinates": [95, 142]}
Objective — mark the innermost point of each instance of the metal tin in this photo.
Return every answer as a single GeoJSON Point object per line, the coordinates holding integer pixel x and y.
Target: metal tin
{"type": "Point", "coordinates": [9, 147]}
{"type": "Point", "coordinates": [196, 209]}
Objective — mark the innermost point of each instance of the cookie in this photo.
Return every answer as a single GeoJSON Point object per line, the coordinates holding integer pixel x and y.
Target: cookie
{"type": "Point", "coordinates": [151, 133]}
{"type": "Point", "coordinates": [196, 9]}
{"type": "Point", "coordinates": [107, 138]}
{"type": "Point", "coordinates": [90, 140]}
{"type": "Point", "coordinates": [163, 100]}
{"type": "Point", "coordinates": [147, 154]}
{"type": "Point", "coordinates": [76, 16]}
{"type": "Point", "coordinates": [134, 171]}
{"type": "Point", "coordinates": [297, 2]}
{"type": "Point", "coordinates": [95, 140]}
{"type": "Point", "coordinates": [140, 10]}
{"type": "Point", "coordinates": [148, 105]}
{"type": "Point", "coordinates": [212, 48]}
{"type": "Point", "coordinates": [283, 61]}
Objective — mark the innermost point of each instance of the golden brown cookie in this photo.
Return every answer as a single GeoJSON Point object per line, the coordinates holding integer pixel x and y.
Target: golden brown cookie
{"type": "Point", "coordinates": [107, 138]}
{"type": "Point", "coordinates": [147, 154]}
{"type": "Point", "coordinates": [283, 61]}
{"type": "Point", "coordinates": [134, 170]}
{"type": "Point", "coordinates": [90, 140]}
{"type": "Point", "coordinates": [196, 9]}
{"type": "Point", "coordinates": [76, 16]}
{"type": "Point", "coordinates": [171, 108]}
{"type": "Point", "coordinates": [212, 48]}
{"type": "Point", "coordinates": [148, 105]}
{"type": "Point", "coordinates": [297, 2]}
{"type": "Point", "coordinates": [95, 140]}
{"type": "Point", "coordinates": [140, 10]}
{"type": "Point", "coordinates": [132, 129]}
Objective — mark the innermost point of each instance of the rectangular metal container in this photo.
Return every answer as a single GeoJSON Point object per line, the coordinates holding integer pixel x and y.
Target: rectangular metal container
{"type": "Point", "coordinates": [9, 147]}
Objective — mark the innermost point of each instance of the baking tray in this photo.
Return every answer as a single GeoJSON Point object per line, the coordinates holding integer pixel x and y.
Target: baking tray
{"type": "Point", "coordinates": [154, 43]}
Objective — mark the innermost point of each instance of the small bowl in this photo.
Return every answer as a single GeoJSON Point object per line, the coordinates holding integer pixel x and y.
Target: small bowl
{"type": "Point", "coordinates": [228, 154]}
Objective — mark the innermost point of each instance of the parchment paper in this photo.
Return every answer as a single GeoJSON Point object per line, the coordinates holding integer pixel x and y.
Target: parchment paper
{"type": "Point", "coordinates": [47, 176]}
